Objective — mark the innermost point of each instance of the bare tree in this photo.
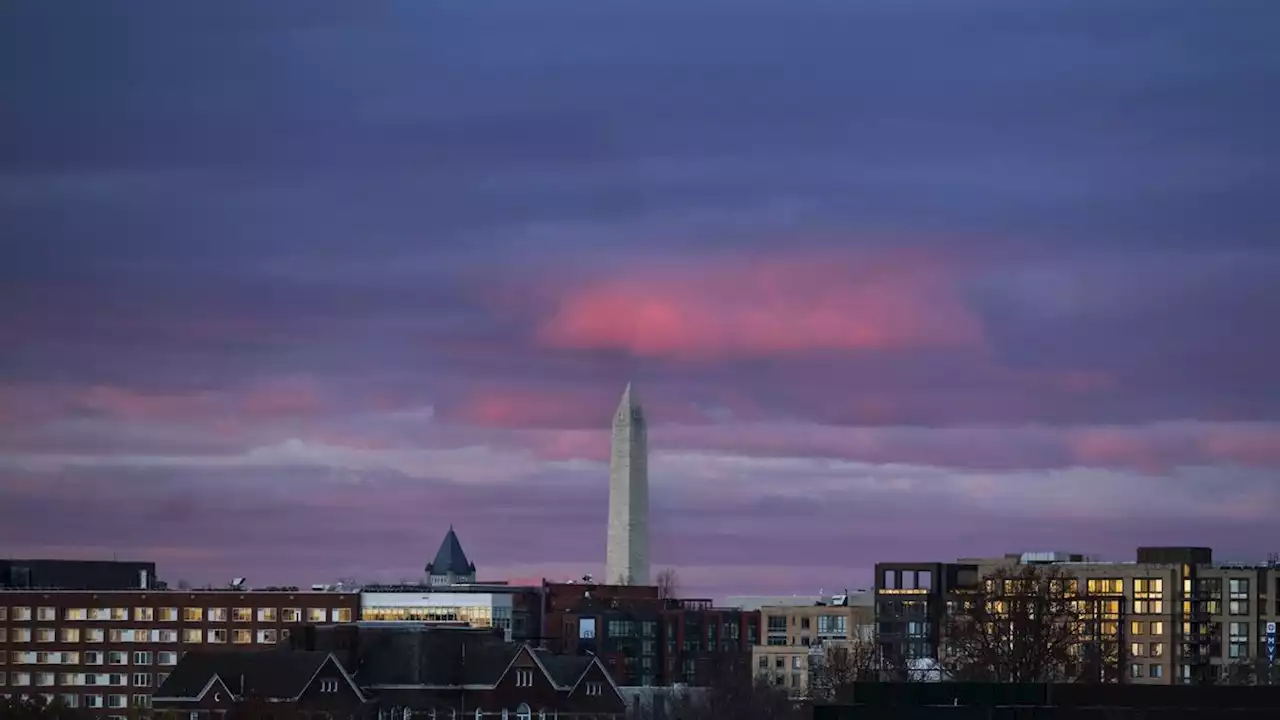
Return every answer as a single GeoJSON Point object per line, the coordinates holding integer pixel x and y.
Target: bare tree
{"type": "Point", "coordinates": [668, 583]}
{"type": "Point", "coordinates": [834, 670]}
{"type": "Point", "coordinates": [1024, 625]}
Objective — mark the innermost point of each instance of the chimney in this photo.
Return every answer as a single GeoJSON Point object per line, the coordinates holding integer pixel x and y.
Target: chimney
{"type": "Point", "coordinates": [142, 579]}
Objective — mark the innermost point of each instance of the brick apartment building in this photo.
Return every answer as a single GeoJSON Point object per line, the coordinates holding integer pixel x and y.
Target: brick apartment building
{"type": "Point", "coordinates": [1175, 614]}
{"type": "Point", "coordinates": [107, 650]}
{"type": "Point", "coordinates": [644, 639]}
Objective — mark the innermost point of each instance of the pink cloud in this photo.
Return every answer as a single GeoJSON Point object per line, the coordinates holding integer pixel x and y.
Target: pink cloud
{"type": "Point", "coordinates": [775, 306]}
{"type": "Point", "coordinates": [513, 406]}
{"type": "Point", "coordinates": [129, 405]}
{"type": "Point", "coordinates": [1150, 449]}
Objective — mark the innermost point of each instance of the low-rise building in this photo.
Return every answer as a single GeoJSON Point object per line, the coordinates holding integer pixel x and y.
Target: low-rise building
{"type": "Point", "coordinates": [458, 672]}
{"type": "Point", "coordinates": [797, 637]}
{"type": "Point", "coordinates": [106, 651]}
{"type": "Point", "coordinates": [260, 685]}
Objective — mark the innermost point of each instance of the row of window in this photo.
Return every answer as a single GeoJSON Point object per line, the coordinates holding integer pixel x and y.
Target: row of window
{"type": "Point", "coordinates": [18, 636]}
{"type": "Point", "coordinates": [48, 679]}
{"type": "Point", "coordinates": [1144, 627]}
{"type": "Point", "coordinates": [172, 614]}
{"type": "Point", "coordinates": [1155, 649]}
{"type": "Point", "coordinates": [73, 700]}
{"type": "Point", "coordinates": [1139, 670]}
{"type": "Point", "coordinates": [779, 662]}
{"type": "Point", "coordinates": [92, 657]}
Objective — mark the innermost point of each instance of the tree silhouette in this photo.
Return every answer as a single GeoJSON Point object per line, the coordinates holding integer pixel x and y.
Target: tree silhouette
{"type": "Point", "coordinates": [834, 670]}
{"type": "Point", "coordinates": [668, 583]}
{"type": "Point", "coordinates": [1025, 625]}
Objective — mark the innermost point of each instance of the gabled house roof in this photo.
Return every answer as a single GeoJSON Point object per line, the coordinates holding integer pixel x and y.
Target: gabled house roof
{"type": "Point", "coordinates": [263, 674]}
{"type": "Point", "coordinates": [450, 558]}
{"type": "Point", "coordinates": [565, 670]}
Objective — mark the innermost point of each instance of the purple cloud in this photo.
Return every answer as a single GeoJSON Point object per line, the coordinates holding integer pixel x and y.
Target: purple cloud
{"type": "Point", "coordinates": [287, 289]}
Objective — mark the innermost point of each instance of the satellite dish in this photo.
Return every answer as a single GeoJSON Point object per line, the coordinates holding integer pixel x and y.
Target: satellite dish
{"type": "Point", "coordinates": [237, 582]}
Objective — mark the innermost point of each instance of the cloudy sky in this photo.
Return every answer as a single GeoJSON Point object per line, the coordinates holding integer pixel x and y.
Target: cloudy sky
{"type": "Point", "coordinates": [286, 288]}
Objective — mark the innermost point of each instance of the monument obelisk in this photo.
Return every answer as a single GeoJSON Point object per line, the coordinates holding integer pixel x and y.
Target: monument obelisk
{"type": "Point", "coordinates": [627, 553]}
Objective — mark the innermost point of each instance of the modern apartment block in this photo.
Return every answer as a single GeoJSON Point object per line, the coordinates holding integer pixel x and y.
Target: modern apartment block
{"type": "Point", "coordinates": [796, 637]}
{"type": "Point", "coordinates": [1175, 614]}
{"type": "Point", "coordinates": [106, 651]}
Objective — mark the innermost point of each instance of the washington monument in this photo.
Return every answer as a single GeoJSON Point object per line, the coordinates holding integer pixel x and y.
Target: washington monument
{"type": "Point", "coordinates": [627, 556]}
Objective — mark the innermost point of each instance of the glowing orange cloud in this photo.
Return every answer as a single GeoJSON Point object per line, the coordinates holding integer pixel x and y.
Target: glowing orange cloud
{"type": "Point", "coordinates": [769, 307]}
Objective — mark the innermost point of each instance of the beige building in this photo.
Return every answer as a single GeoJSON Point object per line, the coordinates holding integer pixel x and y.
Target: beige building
{"type": "Point", "coordinates": [796, 636]}
{"type": "Point", "coordinates": [1175, 615]}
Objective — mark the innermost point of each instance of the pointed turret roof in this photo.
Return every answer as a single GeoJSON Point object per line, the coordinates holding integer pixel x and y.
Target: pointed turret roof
{"type": "Point", "coordinates": [450, 558]}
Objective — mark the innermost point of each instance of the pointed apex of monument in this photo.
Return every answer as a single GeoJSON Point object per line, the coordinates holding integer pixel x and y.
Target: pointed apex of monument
{"type": "Point", "coordinates": [628, 397]}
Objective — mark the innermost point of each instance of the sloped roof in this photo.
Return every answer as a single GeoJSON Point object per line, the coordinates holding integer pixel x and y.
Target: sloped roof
{"type": "Point", "coordinates": [432, 656]}
{"type": "Point", "coordinates": [565, 670]}
{"type": "Point", "coordinates": [450, 558]}
{"type": "Point", "coordinates": [265, 673]}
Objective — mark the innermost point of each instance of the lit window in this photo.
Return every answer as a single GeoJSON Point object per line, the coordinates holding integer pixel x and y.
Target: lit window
{"type": "Point", "coordinates": [193, 614]}
{"type": "Point", "coordinates": [267, 615]}
{"type": "Point", "coordinates": [46, 614]}
{"type": "Point", "coordinates": [144, 614]}
{"type": "Point", "coordinates": [1157, 627]}
{"type": "Point", "coordinates": [217, 636]}
{"type": "Point", "coordinates": [192, 635]}
{"type": "Point", "coordinates": [69, 635]}
{"type": "Point", "coordinates": [119, 613]}
{"type": "Point", "coordinates": [317, 614]}
{"type": "Point", "coordinates": [169, 614]}
{"type": "Point", "coordinates": [242, 637]}
{"type": "Point", "coordinates": [21, 613]}
{"type": "Point", "coordinates": [242, 615]}
{"type": "Point", "coordinates": [342, 615]}
{"type": "Point", "coordinates": [291, 615]}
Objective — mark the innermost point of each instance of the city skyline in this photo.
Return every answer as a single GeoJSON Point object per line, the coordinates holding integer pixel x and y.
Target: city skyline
{"type": "Point", "coordinates": [288, 289]}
